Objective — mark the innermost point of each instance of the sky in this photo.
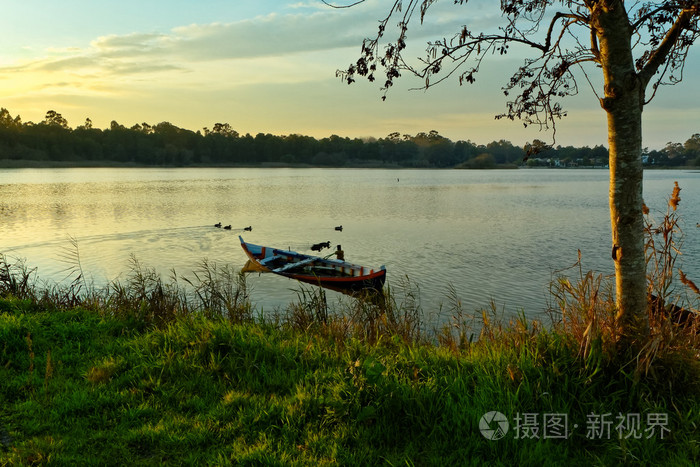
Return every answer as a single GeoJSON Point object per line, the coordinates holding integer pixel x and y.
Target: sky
{"type": "Point", "coordinates": [269, 66]}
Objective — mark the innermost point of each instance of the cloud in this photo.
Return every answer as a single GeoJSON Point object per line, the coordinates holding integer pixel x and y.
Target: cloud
{"type": "Point", "coordinates": [78, 62]}
{"type": "Point", "coordinates": [312, 4]}
{"type": "Point", "coordinates": [128, 45]}
{"type": "Point", "coordinates": [310, 29]}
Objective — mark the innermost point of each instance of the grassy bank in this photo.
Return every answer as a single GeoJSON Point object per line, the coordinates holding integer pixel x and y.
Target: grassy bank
{"type": "Point", "coordinates": [79, 387]}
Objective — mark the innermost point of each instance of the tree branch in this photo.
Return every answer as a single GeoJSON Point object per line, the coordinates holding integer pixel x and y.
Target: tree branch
{"type": "Point", "coordinates": [595, 50]}
{"type": "Point", "coordinates": [557, 16]}
{"type": "Point", "coordinates": [343, 6]}
{"type": "Point", "coordinates": [651, 14]}
{"type": "Point", "coordinates": [659, 56]}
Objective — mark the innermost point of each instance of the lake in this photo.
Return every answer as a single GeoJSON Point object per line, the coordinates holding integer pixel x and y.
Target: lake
{"type": "Point", "coordinates": [485, 235]}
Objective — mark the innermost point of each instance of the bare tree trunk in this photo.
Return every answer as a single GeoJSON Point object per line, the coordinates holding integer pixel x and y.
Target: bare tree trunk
{"type": "Point", "coordinates": [623, 102]}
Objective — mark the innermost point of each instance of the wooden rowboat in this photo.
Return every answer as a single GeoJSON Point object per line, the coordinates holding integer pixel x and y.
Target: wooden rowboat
{"type": "Point", "coordinates": [330, 273]}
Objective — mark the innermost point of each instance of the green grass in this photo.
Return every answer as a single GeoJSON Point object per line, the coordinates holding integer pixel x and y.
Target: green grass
{"type": "Point", "coordinates": [79, 387]}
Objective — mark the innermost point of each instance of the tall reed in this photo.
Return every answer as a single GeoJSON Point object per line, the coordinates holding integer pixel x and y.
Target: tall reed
{"type": "Point", "coordinates": [370, 316]}
{"type": "Point", "coordinates": [585, 307]}
{"type": "Point", "coordinates": [16, 279]}
{"type": "Point", "coordinates": [144, 295]}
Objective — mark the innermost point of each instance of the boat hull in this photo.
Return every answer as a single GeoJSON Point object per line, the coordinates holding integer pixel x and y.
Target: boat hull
{"type": "Point", "coordinates": [332, 274]}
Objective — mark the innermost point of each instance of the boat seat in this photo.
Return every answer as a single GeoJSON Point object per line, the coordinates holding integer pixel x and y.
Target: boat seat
{"type": "Point", "coordinates": [270, 259]}
{"type": "Point", "coordinates": [294, 265]}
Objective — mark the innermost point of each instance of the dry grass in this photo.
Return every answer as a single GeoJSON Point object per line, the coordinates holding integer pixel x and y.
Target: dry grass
{"type": "Point", "coordinates": [585, 308]}
{"type": "Point", "coordinates": [369, 317]}
{"type": "Point", "coordinates": [16, 279]}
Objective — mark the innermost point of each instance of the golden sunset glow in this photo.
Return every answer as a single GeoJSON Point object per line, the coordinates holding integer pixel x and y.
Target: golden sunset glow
{"type": "Point", "coordinates": [269, 67]}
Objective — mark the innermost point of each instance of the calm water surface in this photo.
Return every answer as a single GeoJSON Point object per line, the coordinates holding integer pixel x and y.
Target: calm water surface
{"type": "Point", "coordinates": [489, 234]}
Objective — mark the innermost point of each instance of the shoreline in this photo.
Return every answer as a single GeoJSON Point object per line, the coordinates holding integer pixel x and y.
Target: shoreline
{"type": "Point", "coordinates": [33, 164]}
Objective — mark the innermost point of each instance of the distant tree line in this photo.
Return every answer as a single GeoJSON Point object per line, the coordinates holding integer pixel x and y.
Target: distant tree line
{"type": "Point", "coordinates": [165, 144]}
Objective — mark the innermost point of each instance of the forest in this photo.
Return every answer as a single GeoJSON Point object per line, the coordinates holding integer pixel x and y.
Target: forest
{"type": "Point", "coordinates": [164, 144]}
